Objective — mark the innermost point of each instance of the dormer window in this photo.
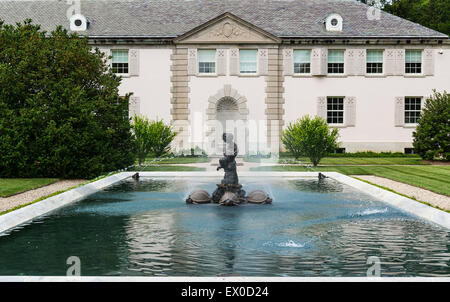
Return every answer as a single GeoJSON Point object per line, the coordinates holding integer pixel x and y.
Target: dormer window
{"type": "Point", "coordinates": [334, 22]}
{"type": "Point", "coordinates": [78, 23]}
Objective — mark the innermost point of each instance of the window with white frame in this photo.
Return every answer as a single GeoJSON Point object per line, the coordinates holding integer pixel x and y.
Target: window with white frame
{"type": "Point", "coordinates": [413, 61]}
{"type": "Point", "coordinates": [374, 61]}
{"type": "Point", "coordinates": [302, 61]}
{"type": "Point", "coordinates": [335, 110]}
{"type": "Point", "coordinates": [247, 60]}
{"type": "Point", "coordinates": [412, 109]}
{"type": "Point", "coordinates": [335, 61]}
{"type": "Point", "coordinates": [119, 62]}
{"type": "Point", "coordinates": [207, 61]}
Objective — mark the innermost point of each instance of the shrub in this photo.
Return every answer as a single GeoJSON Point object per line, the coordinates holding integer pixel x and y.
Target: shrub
{"type": "Point", "coordinates": [432, 135]}
{"type": "Point", "coordinates": [310, 137]}
{"type": "Point", "coordinates": [162, 136]}
{"type": "Point", "coordinates": [143, 139]}
{"type": "Point", "coordinates": [60, 111]}
{"type": "Point", "coordinates": [151, 137]}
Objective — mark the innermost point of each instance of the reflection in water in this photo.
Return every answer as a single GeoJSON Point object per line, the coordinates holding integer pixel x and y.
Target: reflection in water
{"type": "Point", "coordinates": [145, 228]}
{"type": "Point", "coordinates": [316, 185]}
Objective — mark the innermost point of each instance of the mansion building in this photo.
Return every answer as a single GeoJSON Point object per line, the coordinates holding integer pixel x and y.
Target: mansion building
{"type": "Point", "coordinates": [251, 67]}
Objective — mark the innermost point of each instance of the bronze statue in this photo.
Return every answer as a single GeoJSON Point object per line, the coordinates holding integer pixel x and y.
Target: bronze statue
{"type": "Point", "coordinates": [228, 161]}
{"type": "Point", "coordinates": [229, 192]}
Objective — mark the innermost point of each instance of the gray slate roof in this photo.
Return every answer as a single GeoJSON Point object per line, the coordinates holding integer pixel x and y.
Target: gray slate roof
{"type": "Point", "coordinates": [172, 18]}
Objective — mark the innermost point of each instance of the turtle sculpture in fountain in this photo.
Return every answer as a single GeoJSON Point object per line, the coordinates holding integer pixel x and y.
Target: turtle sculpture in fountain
{"type": "Point", "coordinates": [229, 192]}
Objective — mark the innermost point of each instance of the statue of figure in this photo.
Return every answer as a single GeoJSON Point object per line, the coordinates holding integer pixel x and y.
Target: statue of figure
{"type": "Point", "coordinates": [228, 161]}
{"type": "Point", "coordinates": [229, 192]}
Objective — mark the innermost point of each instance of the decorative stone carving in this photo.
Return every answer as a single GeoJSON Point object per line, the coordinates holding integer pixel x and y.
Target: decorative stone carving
{"type": "Point", "coordinates": [399, 111]}
{"type": "Point", "coordinates": [428, 61]}
{"type": "Point", "coordinates": [288, 61]}
{"type": "Point", "coordinates": [350, 111]}
{"type": "Point", "coordinates": [228, 30]}
{"type": "Point", "coordinates": [322, 107]}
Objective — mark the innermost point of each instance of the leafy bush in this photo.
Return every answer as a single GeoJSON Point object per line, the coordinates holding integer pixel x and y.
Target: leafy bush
{"type": "Point", "coordinates": [151, 137]}
{"type": "Point", "coordinates": [60, 111]}
{"type": "Point", "coordinates": [162, 137]}
{"type": "Point", "coordinates": [432, 135]}
{"type": "Point", "coordinates": [310, 137]}
{"type": "Point", "coordinates": [143, 139]}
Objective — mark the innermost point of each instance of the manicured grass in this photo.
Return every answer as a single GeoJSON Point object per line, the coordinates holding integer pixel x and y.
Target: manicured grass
{"type": "Point", "coordinates": [177, 160]}
{"type": "Point", "coordinates": [11, 186]}
{"type": "Point", "coordinates": [166, 168]}
{"type": "Point", "coordinates": [433, 178]}
{"type": "Point", "coordinates": [354, 161]}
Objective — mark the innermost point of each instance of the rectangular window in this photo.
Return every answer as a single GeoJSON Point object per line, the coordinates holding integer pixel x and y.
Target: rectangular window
{"type": "Point", "coordinates": [335, 61]}
{"type": "Point", "coordinates": [119, 61]}
{"type": "Point", "coordinates": [247, 60]}
{"type": "Point", "coordinates": [412, 109]}
{"type": "Point", "coordinates": [335, 110]}
{"type": "Point", "coordinates": [302, 61]}
{"type": "Point", "coordinates": [413, 61]}
{"type": "Point", "coordinates": [207, 61]}
{"type": "Point", "coordinates": [374, 61]}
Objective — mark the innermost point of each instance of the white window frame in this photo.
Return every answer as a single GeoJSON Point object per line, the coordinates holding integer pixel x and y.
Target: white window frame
{"type": "Point", "coordinates": [343, 62]}
{"type": "Point", "coordinates": [309, 62]}
{"type": "Point", "coordinates": [199, 62]}
{"type": "Point", "coordinates": [415, 110]}
{"type": "Point", "coordinates": [382, 63]}
{"type": "Point", "coordinates": [256, 63]}
{"type": "Point", "coordinates": [336, 110]}
{"type": "Point", "coordinates": [421, 62]}
{"type": "Point", "coordinates": [128, 63]}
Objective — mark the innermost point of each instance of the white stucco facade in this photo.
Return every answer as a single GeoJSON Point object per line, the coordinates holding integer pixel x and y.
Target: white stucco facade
{"type": "Point", "coordinates": [153, 84]}
{"type": "Point", "coordinates": [167, 84]}
{"type": "Point", "coordinates": [375, 128]}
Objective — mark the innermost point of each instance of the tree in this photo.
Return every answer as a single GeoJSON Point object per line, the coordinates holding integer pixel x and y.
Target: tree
{"type": "Point", "coordinates": [152, 136]}
{"type": "Point", "coordinates": [432, 135]}
{"type": "Point", "coordinates": [310, 137]}
{"type": "Point", "coordinates": [60, 111]}
{"type": "Point", "coordinates": [434, 14]}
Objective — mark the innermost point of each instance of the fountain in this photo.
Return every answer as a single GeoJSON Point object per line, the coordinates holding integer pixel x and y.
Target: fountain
{"type": "Point", "coordinates": [229, 192]}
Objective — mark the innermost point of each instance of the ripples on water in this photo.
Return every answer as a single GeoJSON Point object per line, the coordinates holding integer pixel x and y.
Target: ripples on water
{"type": "Point", "coordinates": [144, 228]}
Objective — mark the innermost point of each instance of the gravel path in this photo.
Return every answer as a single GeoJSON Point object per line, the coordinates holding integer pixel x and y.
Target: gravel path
{"type": "Point", "coordinates": [31, 195]}
{"type": "Point", "coordinates": [432, 198]}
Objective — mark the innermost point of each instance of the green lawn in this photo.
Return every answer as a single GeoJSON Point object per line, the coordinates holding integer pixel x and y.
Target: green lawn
{"type": "Point", "coordinates": [433, 178]}
{"type": "Point", "coordinates": [354, 161]}
{"type": "Point", "coordinates": [10, 186]}
{"type": "Point", "coordinates": [177, 160]}
{"type": "Point", "coordinates": [164, 168]}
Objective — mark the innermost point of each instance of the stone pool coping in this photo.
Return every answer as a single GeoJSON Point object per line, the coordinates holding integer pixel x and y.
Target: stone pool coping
{"type": "Point", "coordinates": [23, 215]}
{"type": "Point", "coordinates": [28, 213]}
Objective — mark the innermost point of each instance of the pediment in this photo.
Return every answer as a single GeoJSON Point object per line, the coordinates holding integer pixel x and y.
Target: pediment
{"type": "Point", "coordinates": [227, 28]}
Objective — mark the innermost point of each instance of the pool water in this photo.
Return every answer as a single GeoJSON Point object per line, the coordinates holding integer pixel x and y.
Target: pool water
{"type": "Point", "coordinates": [145, 228]}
